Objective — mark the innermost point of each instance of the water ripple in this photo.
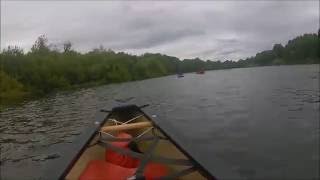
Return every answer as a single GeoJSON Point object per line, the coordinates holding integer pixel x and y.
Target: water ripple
{"type": "Point", "coordinates": [256, 119]}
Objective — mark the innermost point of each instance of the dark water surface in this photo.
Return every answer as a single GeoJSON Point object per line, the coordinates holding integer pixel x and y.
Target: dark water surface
{"type": "Point", "coordinates": [263, 122]}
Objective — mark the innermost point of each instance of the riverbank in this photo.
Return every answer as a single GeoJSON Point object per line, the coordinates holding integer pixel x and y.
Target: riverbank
{"type": "Point", "coordinates": [43, 70]}
{"type": "Point", "coordinates": [20, 96]}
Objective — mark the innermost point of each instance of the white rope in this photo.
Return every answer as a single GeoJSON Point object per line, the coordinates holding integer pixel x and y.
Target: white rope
{"type": "Point", "coordinates": [101, 132]}
{"type": "Point", "coordinates": [130, 120]}
{"type": "Point", "coordinates": [143, 133]}
{"type": "Point", "coordinates": [120, 123]}
{"type": "Point", "coordinates": [115, 121]}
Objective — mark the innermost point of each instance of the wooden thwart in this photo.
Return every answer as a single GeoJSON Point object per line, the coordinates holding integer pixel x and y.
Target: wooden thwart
{"type": "Point", "coordinates": [123, 127]}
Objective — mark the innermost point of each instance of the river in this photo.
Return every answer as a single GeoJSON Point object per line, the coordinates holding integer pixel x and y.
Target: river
{"type": "Point", "coordinates": [263, 121]}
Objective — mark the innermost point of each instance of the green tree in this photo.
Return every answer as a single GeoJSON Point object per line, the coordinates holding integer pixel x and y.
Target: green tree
{"type": "Point", "coordinates": [41, 45]}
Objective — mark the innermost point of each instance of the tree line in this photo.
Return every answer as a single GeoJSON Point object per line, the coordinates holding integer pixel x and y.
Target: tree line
{"type": "Point", "coordinates": [300, 50]}
{"type": "Point", "coordinates": [45, 68]}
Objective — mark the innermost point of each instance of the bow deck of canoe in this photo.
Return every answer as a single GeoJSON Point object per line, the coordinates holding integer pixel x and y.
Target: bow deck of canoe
{"type": "Point", "coordinates": [130, 145]}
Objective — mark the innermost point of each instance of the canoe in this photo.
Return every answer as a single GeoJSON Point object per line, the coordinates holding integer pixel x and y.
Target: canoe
{"type": "Point", "coordinates": [130, 145]}
{"type": "Point", "coordinates": [200, 72]}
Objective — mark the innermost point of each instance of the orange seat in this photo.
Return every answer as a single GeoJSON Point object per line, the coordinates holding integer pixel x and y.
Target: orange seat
{"type": "Point", "coordinates": [154, 170]}
{"type": "Point", "coordinates": [120, 159]}
{"type": "Point", "coordinates": [101, 170]}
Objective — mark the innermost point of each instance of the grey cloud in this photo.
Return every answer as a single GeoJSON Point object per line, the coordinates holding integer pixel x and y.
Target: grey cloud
{"type": "Point", "coordinates": [231, 40]}
{"type": "Point", "coordinates": [207, 52]}
{"type": "Point", "coordinates": [228, 52]}
{"type": "Point", "coordinates": [209, 30]}
{"type": "Point", "coordinates": [150, 39]}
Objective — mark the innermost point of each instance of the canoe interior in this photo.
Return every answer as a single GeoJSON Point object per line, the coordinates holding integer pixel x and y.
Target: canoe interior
{"type": "Point", "coordinates": [164, 148]}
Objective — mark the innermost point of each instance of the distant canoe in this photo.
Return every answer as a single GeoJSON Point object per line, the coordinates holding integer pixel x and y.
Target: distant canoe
{"type": "Point", "coordinates": [180, 75]}
{"type": "Point", "coordinates": [200, 72]}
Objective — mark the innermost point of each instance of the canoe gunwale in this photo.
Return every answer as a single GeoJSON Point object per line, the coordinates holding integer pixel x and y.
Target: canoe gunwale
{"type": "Point", "coordinates": [203, 171]}
{"type": "Point", "coordinates": [84, 147]}
{"type": "Point", "coordinates": [104, 118]}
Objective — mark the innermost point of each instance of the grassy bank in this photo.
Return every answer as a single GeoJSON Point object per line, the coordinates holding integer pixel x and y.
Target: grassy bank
{"type": "Point", "coordinates": [11, 91]}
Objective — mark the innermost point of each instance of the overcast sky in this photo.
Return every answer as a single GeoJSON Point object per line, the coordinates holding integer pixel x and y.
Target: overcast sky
{"type": "Point", "coordinates": [186, 29]}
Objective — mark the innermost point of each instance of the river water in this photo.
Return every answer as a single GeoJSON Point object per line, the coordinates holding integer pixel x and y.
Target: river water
{"type": "Point", "coordinates": [262, 121]}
